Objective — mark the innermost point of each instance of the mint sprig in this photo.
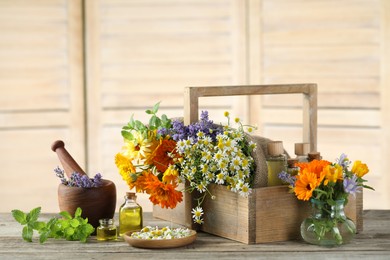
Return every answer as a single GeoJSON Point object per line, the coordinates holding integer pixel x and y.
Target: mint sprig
{"type": "Point", "coordinates": [70, 228]}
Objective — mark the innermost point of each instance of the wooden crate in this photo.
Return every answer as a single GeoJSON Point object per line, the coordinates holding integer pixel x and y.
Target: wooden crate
{"type": "Point", "coordinates": [269, 214]}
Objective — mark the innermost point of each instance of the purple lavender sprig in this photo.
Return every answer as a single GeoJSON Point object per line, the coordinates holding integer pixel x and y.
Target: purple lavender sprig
{"type": "Point", "coordinates": [79, 180]}
{"type": "Point", "coordinates": [287, 178]}
{"type": "Point", "coordinates": [60, 174]}
{"type": "Point", "coordinates": [181, 132]}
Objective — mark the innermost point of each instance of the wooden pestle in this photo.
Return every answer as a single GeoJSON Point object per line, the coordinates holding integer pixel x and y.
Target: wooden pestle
{"type": "Point", "coordinates": [69, 164]}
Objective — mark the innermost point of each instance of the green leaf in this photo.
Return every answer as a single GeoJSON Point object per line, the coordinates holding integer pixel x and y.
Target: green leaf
{"type": "Point", "coordinates": [19, 216]}
{"type": "Point", "coordinates": [153, 122]}
{"type": "Point", "coordinates": [39, 225]}
{"type": "Point", "coordinates": [33, 215]}
{"type": "Point", "coordinates": [156, 107]}
{"type": "Point", "coordinates": [66, 215]}
{"type": "Point", "coordinates": [127, 135]}
{"type": "Point", "coordinates": [74, 223]}
{"type": "Point", "coordinates": [27, 233]}
{"type": "Point", "coordinates": [78, 212]}
{"type": "Point", "coordinates": [43, 237]}
{"type": "Point", "coordinates": [149, 112]}
{"type": "Point", "coordinates": [69, 231]}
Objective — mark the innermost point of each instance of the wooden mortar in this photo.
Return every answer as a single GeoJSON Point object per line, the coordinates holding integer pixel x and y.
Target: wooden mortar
{"type": "Point", "coordinates": [96, 202]}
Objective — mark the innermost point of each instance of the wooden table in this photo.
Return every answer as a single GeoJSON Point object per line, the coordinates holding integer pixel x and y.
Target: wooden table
{"type": "Point", "coordinates": [372, 243]}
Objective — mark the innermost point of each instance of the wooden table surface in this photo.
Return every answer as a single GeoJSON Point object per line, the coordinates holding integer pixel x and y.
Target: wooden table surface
{"type": "Point", "coordinates": [372, 243]}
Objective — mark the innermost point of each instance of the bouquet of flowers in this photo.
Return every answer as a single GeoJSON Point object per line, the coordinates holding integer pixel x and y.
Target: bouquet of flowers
{"type": "Point", "coordinates": [327, 185]}
{"type": "Point", "coordinates": [158, 156]}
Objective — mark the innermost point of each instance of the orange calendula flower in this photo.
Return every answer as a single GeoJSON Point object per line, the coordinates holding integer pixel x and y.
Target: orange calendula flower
{"type": "Point", "coordinates": [333, 173]}
{"type": "Point", "coordinates": [306, 183]}
{"type": "Point", "coordinates": [164, 154]}
{"type": "Point", "coordinates": [160, 193]}
{"type": "Point", "coordinates": [315, 166]}
{"type": "Point", "coordinates": [360, 169]}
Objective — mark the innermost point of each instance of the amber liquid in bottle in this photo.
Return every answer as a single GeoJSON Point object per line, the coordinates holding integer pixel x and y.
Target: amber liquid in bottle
{"type": "Point", "coordinates": [130, 215]}
{"type": "Point", "coordinates": [106, 231]}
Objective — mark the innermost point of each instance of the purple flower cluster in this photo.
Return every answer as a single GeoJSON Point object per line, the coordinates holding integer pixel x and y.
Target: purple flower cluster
{"type": "Point", "coordinates": [79, 180]}
{"type": "Point", "coordinates": [60, 174]}
{"type": "Point", "coordinates": [287, 178]}
{"type": "Point", "coordinates": [350, 185]}
{"type": "Point", "coordinates": [181, 132]}
{"type": "Point", "coordinates": [343, 161]}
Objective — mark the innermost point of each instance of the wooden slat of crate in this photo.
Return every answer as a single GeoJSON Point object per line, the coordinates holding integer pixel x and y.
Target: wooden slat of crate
{"type": "Point", "coordinates": [269, 214]}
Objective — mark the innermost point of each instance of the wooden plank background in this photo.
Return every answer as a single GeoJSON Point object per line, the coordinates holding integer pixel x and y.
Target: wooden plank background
{"type": "Point", "coordinates": [134, 54]}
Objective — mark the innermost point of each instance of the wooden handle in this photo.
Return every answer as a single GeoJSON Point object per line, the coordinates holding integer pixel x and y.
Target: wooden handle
{"type": "Point", "coordinates": [67, 161]}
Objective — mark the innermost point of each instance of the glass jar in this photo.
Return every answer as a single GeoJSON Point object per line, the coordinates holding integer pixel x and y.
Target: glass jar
{"type": "Point", "coordinates": [130, 214]}
{"type": "Point", "coordinates": [276, 162]}
{"type": "Point", "coordinates": [328, 225]}
{"type": "Point", "coordinates": [107, 230]}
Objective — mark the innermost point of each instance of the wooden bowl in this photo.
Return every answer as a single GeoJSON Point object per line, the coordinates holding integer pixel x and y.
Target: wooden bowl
{"type": "Point", "coordinates": [96, 203]}
{"type": "Point", "coordinates": [160, 243]}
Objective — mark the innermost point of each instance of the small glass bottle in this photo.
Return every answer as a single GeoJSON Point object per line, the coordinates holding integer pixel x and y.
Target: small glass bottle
{"type": "Point", "coordinates": [107, 230]}
{"type": "Point", "coordinates": [291, 168]}
{"type": "Point", "coordinates": [314, 156]}
{"type": "Point", "coordinates": [130, 214]}
{"type": "Point", "coordinates": [276, 162]}
{"type": "Point", "coordinates": [301, 151]}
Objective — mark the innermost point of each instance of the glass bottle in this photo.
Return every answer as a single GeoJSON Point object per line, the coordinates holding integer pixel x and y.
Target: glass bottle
{"type": "Point", "coordinates": [328, 225]}
{"type": "Point", "coordinates": [301, 151]}
{"type": "Point", "coordinates": [276, 162]}
{"type": "Point", "coordinates": [291, 168]}
{"type": "Point", "coordinates": [130, 214]}
{"type": "Point", "coordinates": [107, 230]}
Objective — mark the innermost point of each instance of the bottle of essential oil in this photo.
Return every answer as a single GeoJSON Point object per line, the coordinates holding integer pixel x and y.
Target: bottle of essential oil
{"type": "Point", "coordinates": [130, 214]}
{"type": "Point", "coordinates": [301, 151]}
{"type": "Point", "coordinates": [314, 156]}
{"type": "Point", "coordinates": [106, 230]}
{"type": "Point", "coordinates": [291, 168]}
{"type": "Point", "coordinates": [276, 162]}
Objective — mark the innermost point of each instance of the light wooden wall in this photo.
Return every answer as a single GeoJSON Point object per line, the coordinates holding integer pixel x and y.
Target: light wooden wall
{"type": "Point", "coordinates": [336, 44]}
{"type": "Point", "coordinates": [140, 52]}
{"type": "Point", "coordinates": [41, 100]}
{"type": "Point", "coordinates": [143, 52]}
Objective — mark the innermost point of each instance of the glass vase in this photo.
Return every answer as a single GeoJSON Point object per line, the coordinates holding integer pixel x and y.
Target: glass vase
{"type": "Point", "coordinates": [328, 225]}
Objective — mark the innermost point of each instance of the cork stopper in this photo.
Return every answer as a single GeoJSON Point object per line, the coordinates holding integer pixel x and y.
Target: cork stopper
{"type": "Point", "coordinates": [314, 156]}
{"type": "Point", "coordinates": [131, 195]}
{"type": "Point", "coordinates": [275, 148]}
{"type": "Point", "coordinates": [291, 162]}
{"type": "Point", "coordinates": [302, 149]}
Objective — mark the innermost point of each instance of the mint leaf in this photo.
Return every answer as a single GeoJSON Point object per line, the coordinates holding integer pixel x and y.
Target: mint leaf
{"type": "Point", "coordinates": [19, 216]}
{"type": "Point", "coordinates": [65, 215]}
{"type": "Point", "coordinates": [27, 233]}
{"type": "Point", "coordinates": [34, 214]}
{"type": "Point", "coordinates": [78, 212]}
{"type": "Point", "coordinates": [39, 225]}
{"type": "Point", "coordinates": [43, 237]}
{"type": "Point", "coordinates": [74, 223]}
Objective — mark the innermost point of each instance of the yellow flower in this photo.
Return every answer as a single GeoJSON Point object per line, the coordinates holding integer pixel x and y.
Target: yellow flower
{"type": "Point", "coordinates": [125, 167]}
{"type": "Point", "coordinates": [226, 113]}
{"type": "Point", "coordinates": [359, 169]}
{"type": "Point", "coordinates": [141, 147]}
{"type": "Point", "coordinates": [333, 173]}
{"type": "Point", "coordinates": [170, 175]}
{"type": "Point", "coordinates": [237, 120]}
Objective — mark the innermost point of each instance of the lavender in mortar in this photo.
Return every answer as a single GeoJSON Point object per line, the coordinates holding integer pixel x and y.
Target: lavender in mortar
{"type": "Point", "coordinates": [79, 180]}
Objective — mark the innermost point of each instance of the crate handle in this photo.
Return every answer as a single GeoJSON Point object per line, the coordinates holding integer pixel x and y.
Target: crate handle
{"type": "Point", "coordinates": [309, 91]}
